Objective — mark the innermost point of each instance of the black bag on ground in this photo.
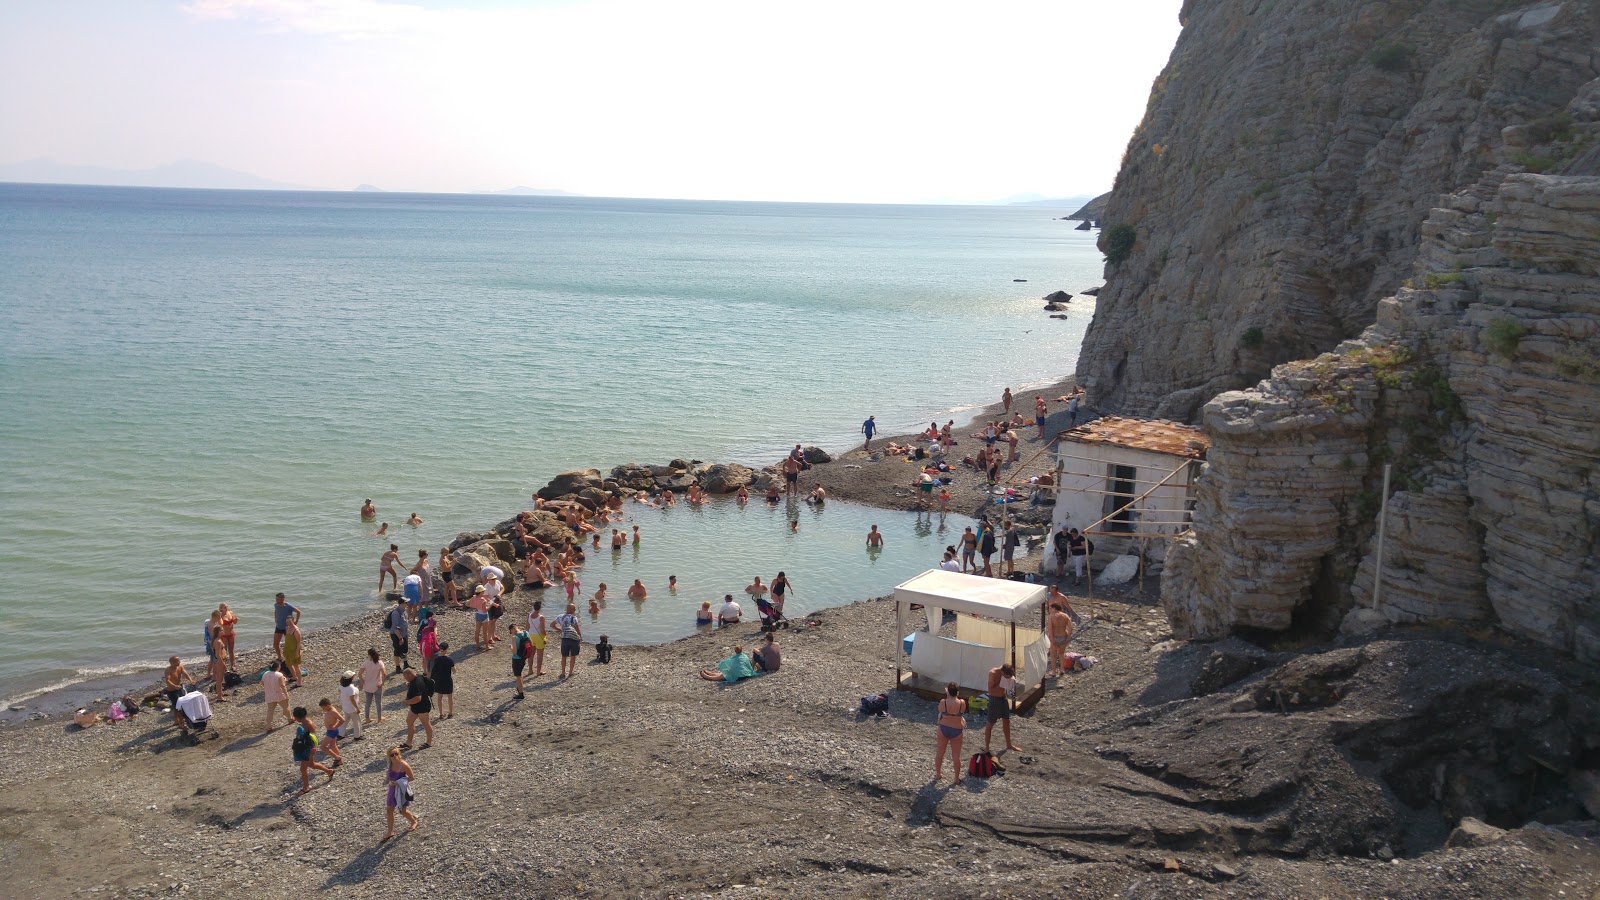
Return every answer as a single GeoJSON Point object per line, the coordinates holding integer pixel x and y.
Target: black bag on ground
{"type": "Point", "coordinates": [875, 705]}
{"type": "Point", "coordinates": [232, 679]}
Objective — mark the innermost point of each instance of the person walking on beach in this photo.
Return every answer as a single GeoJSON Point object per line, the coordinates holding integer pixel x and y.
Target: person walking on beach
{"type": "Point", "coordinates": [419, 708]}
{"type": "Point", "coordinates": [874, 539]}
{"type": "Point", "coordinates": [1002, 684]}
{"type": "Point", "coordinates": [399, 633]}
{"type": "Point", "coordinates": [389, 564]}
{"type": "Point", "coordinates": [571, 639]}
{"type": "Point", "coordinates": [1005, 402]}
{"type": "Point", "coordinates": [349, 706]}
{"type": "Point", "coordinates": [373, 674]}
{"type": "Point", "coordinates": [304, 749]}
{"type": "Point", "coordinates": [292, 651]}
{"type": "Point", "coordinates": [1059, 626]}
{"type": "Point", "coordinates": [1062, 542]}
{"type": "Point", "coordinates": [399, 778]}
{"type": "Point", "coordinates": [869, 428]}
{"type": "Point", "coordinates": [275, 691]}
{"type": "Point", "coordinates": [172, 682]}
{"type": "Point", "coordinates": [281, 613]}
{"type": "Point", "coordinates": [1080, 548]}
{"type": "Point", "coordinates": [1073, 401]}
{"type": "Point", "coordinates": [521, 650]}
{"type": "Point", "coordinates": [1010, 541]}
{"type": "Point", "coordinates": [443, 672]}
{"type": "Point", "coordinates": [952, 726]}
{"type": "Point", "coordinates": [229, 623]}
{"type": "Point", "coordinates": [332, 730]}
{"type": "Point", "coordinates": [538, 631]}
{"type": "Point", "coordinates": [986, 546]}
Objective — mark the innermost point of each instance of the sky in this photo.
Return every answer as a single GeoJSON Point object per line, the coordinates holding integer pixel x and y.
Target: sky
{"type": "Point", "coordinates": [860, 101]}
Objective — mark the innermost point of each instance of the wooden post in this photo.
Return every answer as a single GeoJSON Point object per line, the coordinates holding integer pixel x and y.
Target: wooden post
{"type": "Point", "coordinates": [1013, 645]}
{"type": "Point", "coordinates": [899, 640]}
{"type": "Point", "coordinates": [1140, 574]}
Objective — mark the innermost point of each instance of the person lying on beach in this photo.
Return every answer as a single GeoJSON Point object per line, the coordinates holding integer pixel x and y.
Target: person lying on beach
{"type": "Point", "coordinates": [731, 669]}
{"type": "Point", "coordinates": [637, 591]}
{"type": "Point", "coordinates": [414, 521]}
{"type": "Point", "coordinates": [894, 449]}
{"type": "Point", "coordinates": [702, 617]}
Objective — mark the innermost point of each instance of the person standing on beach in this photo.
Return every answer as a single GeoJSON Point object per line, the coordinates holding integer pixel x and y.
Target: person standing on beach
{"type": "Point", "coordinates": [399, 633]}
{"type": "Point", "coordinates": [969, 549]}
{"type": "Point", "coordinates": [1005, 401]}
{"type": "Point", "coordinates": [1002, 683]}
{"type": "Point", "coordinates": [229, 622]}
{"type": "Point", "coordinates": [571, 640]}
{"type": "Point", "coordinates": [419, 706]}
{"type": "Point", "coordinates": [1011, 439]}
{"type": "Point", "coordinates": [275, 691]}
{"type": "Point", "coordinates": [1073, 400]}
{"type": "Point", "coordinates": [443, 673]}
{"type": "Point", "coordinates": [1009, 543]}
{"type": "Point", "coordinates": [447, 565]}
{"type": "Point", "coordinates": [424, 573]}
{"type": "Point", "coordinates": [791, 475]}
{"type": "Point", "coordinates": [292, 650]}
{"type": "Point", "coordinates": [952, 726]}
{"type": "Point", "coordinates": [349, 705]}
{"type": "Point", "coordinates": [281, 613]}
{"type": "Point", "coordinates": [874, 539]}
{"type": "Point", "coordinates": [479, 604]}
{"type": "Point", "coordinates": [1080, 548]}
{"type": "Point", "coordinates": [388, 564]}
{"type": "Point", "coordinates": [986, 546]}
{"type": "Point", "coordinates": [399, 778]}
{"type": "Point", "coordinates": [869, 428]}
{"type": "Point", "coordinates": [332, 730]}
{"type": "Point", "coordinates": [1062, 542]}
{"type": "Point", "coordinates": [172, 682]}
{"type": "Point", "coordinates": [216, 656]}
{"type": "Point", "coordinates": [780, 589]}
{"type": "Point", "coordinates": [1059, 627]}
{"type": "Point", "coordinates": [373, 674]}
{"type": "Point", "coordinates": [521, 649]}
{"type": "Point", "coordinates": [538, 631]}
{"type": "Point", "coordinates": [304, 749]}
{"type": "Point", "coordinates": [1041, 411]}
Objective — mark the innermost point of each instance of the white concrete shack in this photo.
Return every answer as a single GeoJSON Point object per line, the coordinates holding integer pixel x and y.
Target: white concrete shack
{"type": "Point", "coordinates": [1128, 483]}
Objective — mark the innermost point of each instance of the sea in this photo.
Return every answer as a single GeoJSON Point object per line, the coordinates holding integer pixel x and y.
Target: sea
{"type": "Point", "coordinates": [199, 388]}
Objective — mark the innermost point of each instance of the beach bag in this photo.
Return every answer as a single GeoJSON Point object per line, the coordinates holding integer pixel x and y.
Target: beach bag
{"type": "Point", "coordinates": [875, 705]}
{"type": "Point", "coordinates": [114, 712]}
{"type": "Point", "coordinates": [232, 679]}
{"type": "Point", "coordinates": [303, 742]}
{"type": "Point", "coordinates": [984, 765]}
{"type": "Point", "coordinates": [525, 645]}
{"type": "Point", "coordinates": [978, 703]}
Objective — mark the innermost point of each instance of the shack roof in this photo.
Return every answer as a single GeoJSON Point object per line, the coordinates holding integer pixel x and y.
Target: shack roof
{"type": "Point", "coordinates": [1153, 435]}
{"type": "Point", "coordinates": [996, 598]}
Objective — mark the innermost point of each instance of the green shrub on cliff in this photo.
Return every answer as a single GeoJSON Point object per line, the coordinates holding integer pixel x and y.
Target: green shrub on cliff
{"type": "Point", "coordinates": [1252, 338]}
{"type": "Point", "coordinates": [1118, 243]}
{"type": "Point", "coordinates": [1393, 57]}
{"type": "Point", "coordinates": [1502, 335]}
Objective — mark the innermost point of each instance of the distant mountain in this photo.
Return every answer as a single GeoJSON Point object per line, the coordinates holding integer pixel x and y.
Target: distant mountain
{"type": "Point", "coordinates": [1094, 210]}
{"type": "Point", "coordinates": [1073, 202]}
{"type": "Point", "coordinates": [369, 189]}
{"type": "Point", "coordinates": [525, 191]}
{"type": "Point", "coordinates": [185, 173]}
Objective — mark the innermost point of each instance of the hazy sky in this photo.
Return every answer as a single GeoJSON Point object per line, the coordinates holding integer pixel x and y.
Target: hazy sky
{"type": "Point", "coordinates": [866, 100]}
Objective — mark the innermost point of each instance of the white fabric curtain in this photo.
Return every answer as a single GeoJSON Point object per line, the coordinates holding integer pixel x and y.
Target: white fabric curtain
{"type": "Point", "coordinates": [1035, 660]}
{"type": "Point", "coordinates": [943, 659]}
{"type": "Point", "coordinates": [935, 618]}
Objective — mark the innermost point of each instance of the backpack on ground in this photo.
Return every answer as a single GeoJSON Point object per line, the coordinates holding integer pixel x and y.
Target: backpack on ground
{"type": "Point", "coordinates": [232, 679]}
{"type": "Point", "coordinates": [875, 705]}
{"type": "Point", "coordinates": [983, 764]}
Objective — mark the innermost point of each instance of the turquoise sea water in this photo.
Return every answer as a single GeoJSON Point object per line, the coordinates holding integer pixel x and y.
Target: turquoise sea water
{"type": "Point", "coordinates": [199, 388]}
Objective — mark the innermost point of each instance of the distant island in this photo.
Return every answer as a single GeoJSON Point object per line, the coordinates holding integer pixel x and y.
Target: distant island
{"type": "Point", "coordinates": [525, 191]}
{"type": "Point", "coordinates": [365, 188]}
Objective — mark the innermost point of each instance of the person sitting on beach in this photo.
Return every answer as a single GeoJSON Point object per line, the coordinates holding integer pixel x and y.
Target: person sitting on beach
{"type": "Point", "coordinates": [368, 511]}
{"type": "Point", "coordinates": [768, 658]}
{"type": "Point", "coordinates": [696, 497]}
{"type": "Point", "coordinates": [756, 588]}
{"type": "Point", "coordinates": [731, 669]}
{"type": "Point", "coordinates": [730, 612]}
{"type": "Point", "coordinates": [950, 563]}
{"type": "Point", "coordinates": [818, 496]}
{"type": "Point", "coordinates": [702, 617]}
{"type": "Point", "coordinates": [637, 591]}
{"type": "Point", "coordinates": [533, 574]}
{"type": "Point", "coordinates": [742, 496]}
{"type": "Point", "coordinates": [414, 521]}
{"type": "Point", "coordinates": [932, 433]}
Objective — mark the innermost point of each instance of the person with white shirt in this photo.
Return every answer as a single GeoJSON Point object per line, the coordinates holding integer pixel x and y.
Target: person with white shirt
{"type": "Point", "coordinates": [950, 563]}
{"type": "Point", "coordinates": [349, 706]}
{"type": "Point", "coordinates": [373, 673]}
{"type": "Point", "coordinates": [730, 613]}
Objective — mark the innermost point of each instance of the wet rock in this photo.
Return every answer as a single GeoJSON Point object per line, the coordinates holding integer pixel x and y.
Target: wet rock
{"type": "Point", "coordinates": [817, 455]}
{"type": "Point", "coordinates": [719, 478]}
{"type": "Point", "coordinates": [571, 483]}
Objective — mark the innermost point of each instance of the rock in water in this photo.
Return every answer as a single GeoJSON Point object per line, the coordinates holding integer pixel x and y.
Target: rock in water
{"type": "Point", "coordinates": [719, 478]}
{"type": "Point", "coordinates": [1121, 570]}
{"type": "Point", "coordinates": [571, 483]}
{"type": "Point", "coordinates": [815, 455]}
{"type": "Point", "coordinates": [1058, 297]}
{"type": "Point", "coordinates": [1083, 226]}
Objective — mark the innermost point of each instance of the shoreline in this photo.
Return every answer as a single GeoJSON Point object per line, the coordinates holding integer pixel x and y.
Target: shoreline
{"type": "Point", "coordinates": [65, 696]}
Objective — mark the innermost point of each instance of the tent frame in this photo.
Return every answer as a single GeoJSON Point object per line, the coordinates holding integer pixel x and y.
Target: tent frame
{"type": "Point", "coordinates": [925, 687]}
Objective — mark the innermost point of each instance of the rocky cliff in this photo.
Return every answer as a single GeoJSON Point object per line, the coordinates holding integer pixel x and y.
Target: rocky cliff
{"type": "Point", "coordinates": [1291, 151]}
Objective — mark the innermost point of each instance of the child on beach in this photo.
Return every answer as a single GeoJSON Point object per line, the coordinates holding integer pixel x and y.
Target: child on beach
{"type": "Point", "coordinates": [304, 749]}
{"type": "Point", "coordinates": [600, 595]}
{"type": "Point", "coordinates": [348, 705]}
{"type": "Point", "coordinates": [572, 586]}
{"type": "Point", "coordinates": [944, 499]}
{"type": "Point", "coordinates": [332, 719]}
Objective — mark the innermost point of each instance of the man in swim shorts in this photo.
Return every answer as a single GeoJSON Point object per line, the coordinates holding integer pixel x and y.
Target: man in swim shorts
{"type": "Point", "coordinates": [869, 428]}
{"type": "Point", "coordinates": [791, 475]}
{"type": "Point", "coordinates": [1002, 682]}
{"type": "Point", "coordinates": [1059, 627]}
{"type": "Point", "coordinates": [571, 639]}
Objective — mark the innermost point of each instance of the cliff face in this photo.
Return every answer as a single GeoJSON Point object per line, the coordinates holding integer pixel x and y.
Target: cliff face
{"type": "Point", "coordinates": [1480, 386]}
{"type": "Point", "coordinates": [1277, 186]}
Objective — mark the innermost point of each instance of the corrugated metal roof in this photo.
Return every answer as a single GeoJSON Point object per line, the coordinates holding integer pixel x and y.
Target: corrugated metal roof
{"type": "Point", "coordinates": [1154, 435]}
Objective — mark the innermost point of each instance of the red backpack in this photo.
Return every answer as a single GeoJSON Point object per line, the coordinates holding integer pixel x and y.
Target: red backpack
{"type": "Point", "coordinates": [984, 765]}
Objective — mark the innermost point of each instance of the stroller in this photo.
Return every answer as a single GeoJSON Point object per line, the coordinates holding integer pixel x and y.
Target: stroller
{"type": "Point", "coordinates": [771, 619]}
{"type": "Point", "coordinates": [194, 716]}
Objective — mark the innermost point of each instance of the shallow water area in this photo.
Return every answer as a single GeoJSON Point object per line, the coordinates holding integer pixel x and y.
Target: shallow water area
{"type": "Point", "coordinates": [718, 548]}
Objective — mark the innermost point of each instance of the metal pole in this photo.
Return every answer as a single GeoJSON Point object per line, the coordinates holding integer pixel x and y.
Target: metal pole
{"type": "Point", "coordinates": [899, 640]}
{"type": "Point", "coordinates": [1383, 515]}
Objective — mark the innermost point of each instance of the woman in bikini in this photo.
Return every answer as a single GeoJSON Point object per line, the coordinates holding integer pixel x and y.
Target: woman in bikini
{"type": "Point", "coordinates": [952, 727]}
{"type": "Point", "coordinates": [447, 565]}
{"type": "Point", "coordinates": [229, 620]}
{"type": "Point", "coordinates": [399, 780]}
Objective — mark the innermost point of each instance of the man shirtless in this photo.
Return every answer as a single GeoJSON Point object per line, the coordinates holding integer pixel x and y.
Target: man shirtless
{"type": "Point", "coordinates": [172, 682]}
{"type": "Point", "coordinates": [1041, 411]}
{"type": "Point", "coordinates": [1002, 682]}
{"type": "Point", "coordinates": [637, 591]}
{"type": "Point", "coordinates": [756, 589]}
{"type": "Point", "coordinates": [874, 539]}
{"type": "Point", "coordinates": [791, 475]}
{"type": "Point", "coordinates": [1059, 627]}
{"type": "Point", "coordinates": [368, 511]}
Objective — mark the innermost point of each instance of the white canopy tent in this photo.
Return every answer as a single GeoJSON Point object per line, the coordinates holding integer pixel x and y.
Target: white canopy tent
{"type": "Point", "coordinates": [997, 621]}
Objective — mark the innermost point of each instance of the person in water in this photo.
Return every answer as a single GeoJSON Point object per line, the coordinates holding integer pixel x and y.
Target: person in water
{"type": "Point", "coordinates": [414, 521]}
{"type": "Point", "coordinates": [368, 511]}
{"type": "Point", "coordinates": [874, 539]}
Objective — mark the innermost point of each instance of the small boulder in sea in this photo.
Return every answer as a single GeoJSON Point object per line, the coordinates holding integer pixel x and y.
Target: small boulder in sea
{"type": "Point", "coordinates": [1083, 226]}
{"type": "Point", "coordinates": [1058, 297]}
{"type": "Point", "coordinates": [570, 483]}
{"type": "Point", "coordinates": [1092, 292]}
{"type": "Point", "coordinates": [678, 482]}
{"type": "Point", "coordinates": [720, 478]}
{"type": "Point", "coordinates": [815, 455]}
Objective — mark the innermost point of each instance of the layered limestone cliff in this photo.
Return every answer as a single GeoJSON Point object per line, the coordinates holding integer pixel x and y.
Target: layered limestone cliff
{"type": "Point", "coordinates": [1278, 184]}
{"type": "Point", "coordinates": [1479, 386]}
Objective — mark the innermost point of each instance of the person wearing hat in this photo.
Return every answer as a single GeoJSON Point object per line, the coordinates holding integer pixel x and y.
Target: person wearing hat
{"type": "Point", "coordinates": [479, 604]}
